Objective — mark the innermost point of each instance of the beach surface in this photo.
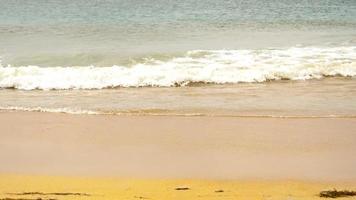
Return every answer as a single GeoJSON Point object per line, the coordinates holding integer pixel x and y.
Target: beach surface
{"type": "Point", "coordinates": [185, 99]}
{"type": "Point", "coordinates": [68, 188]}
{"type": "Point", "coordinates": [62, 156]}
{"type": "Point", "coordinates": [178, 147]}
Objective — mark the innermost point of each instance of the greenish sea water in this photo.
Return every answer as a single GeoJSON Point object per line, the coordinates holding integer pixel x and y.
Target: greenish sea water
{"type": "Point", "coordinates": [108, 32]}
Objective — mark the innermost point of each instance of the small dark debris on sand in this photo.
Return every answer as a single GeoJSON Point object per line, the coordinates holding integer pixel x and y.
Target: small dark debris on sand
{"type": "Point", "coordinates": [218, 191]}
{"type": "Point", "coordinates": [140, 197]}
{"type": "Point", "coordinates": [182, 188]}
{"type": "Point", "coordinates": [68, 193]}
{"type": "Point", "coordinates": [337, 193]}
{"type": "Point", "coordinates": [54, 193]}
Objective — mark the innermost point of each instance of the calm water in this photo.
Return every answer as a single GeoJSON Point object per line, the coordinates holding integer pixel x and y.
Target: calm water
{"type": "Point", "coordinates": [77, 56]}
{"type": "Point", "coordinates": [105, 33]}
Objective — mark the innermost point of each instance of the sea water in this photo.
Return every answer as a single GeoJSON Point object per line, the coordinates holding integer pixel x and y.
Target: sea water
{"type": "Point", "coordinates": [179, 57]}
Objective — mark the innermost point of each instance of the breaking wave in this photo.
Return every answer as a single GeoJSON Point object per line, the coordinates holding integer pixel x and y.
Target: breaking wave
{"type": "Point", "coordinates": [198, 66]}
{"type": "Point", "coordinates": [50, 110]}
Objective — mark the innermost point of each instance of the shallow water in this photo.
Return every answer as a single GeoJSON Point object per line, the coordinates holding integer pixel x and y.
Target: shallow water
{"type": "Point", "coordinates": [331, 97]}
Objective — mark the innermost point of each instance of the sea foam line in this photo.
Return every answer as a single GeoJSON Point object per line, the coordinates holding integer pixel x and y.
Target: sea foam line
{"type": "Point", "coordinates": [199, 66]}
{"type": "Point", "coordinates": [50, 110]}
{"type": "Point", "coordinates": [172, 114]}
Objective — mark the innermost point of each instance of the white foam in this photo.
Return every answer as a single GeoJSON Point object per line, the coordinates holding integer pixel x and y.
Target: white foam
{"type": "Point", "coordinates": [219, 66]}
{"type": "Point", "coordinates": [50, 110]}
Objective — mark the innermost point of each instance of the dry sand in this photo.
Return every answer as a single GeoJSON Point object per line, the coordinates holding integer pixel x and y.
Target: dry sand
{"type": "Point", "coordinates": [69, 188]}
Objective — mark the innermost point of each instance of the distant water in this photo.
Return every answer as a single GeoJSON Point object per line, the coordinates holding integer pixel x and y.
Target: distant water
{"type": "Point", "coordinates": [107, 48]}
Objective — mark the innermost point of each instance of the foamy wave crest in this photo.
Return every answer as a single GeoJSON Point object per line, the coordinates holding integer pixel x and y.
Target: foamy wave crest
{"type": "Point", "coordinates": [218, 66]}
{"type": "Point", "coordinates": [50, 110]}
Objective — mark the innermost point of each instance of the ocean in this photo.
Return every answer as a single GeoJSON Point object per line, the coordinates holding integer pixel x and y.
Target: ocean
{"type": "Point", "coordinates": [257, 58]}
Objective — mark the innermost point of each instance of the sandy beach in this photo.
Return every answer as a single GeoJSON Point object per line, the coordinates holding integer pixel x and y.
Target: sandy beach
{"type": "Point", "coordinates": [115, 157]}
{"type": "Point", "coordinates": [177, 100]}
{"type": "Point", "coordinates": [68, 188]}
{"type": "Point", "coordinates": [178, 147]}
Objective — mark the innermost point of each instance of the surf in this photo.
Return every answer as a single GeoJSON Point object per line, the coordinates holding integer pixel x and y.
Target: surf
{"type": "Point", "coordinates": [197, 66]}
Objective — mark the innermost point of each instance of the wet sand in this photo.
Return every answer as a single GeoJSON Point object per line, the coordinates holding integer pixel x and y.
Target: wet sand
{"type": "Point", "coordinates": [227, 148]}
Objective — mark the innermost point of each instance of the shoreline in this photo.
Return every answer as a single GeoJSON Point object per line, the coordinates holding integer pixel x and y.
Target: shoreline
{"type": "Point", "coordinates": [174, 147]}
{"type": "Point", "coordinates": [148, 114]}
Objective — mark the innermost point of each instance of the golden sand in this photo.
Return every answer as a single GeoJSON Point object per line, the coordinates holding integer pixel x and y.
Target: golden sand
{"type": "Point", "coordinates": [67, 188]}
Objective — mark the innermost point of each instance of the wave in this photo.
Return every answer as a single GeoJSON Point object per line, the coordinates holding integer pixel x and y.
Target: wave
{"type": "Point", "coordinates": [198, 66]}
{"type": "Point", "coordinates": [50, 110]}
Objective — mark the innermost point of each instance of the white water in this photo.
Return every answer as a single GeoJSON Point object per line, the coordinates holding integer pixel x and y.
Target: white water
{"type": "Point", "coordinates": [219, 66]}
{"type": "Point", "coordinates": [50, 110]}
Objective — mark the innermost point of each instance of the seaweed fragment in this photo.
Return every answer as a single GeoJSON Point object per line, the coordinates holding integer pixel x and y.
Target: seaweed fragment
{"type": "Point", "coordinates": [337, 193]}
